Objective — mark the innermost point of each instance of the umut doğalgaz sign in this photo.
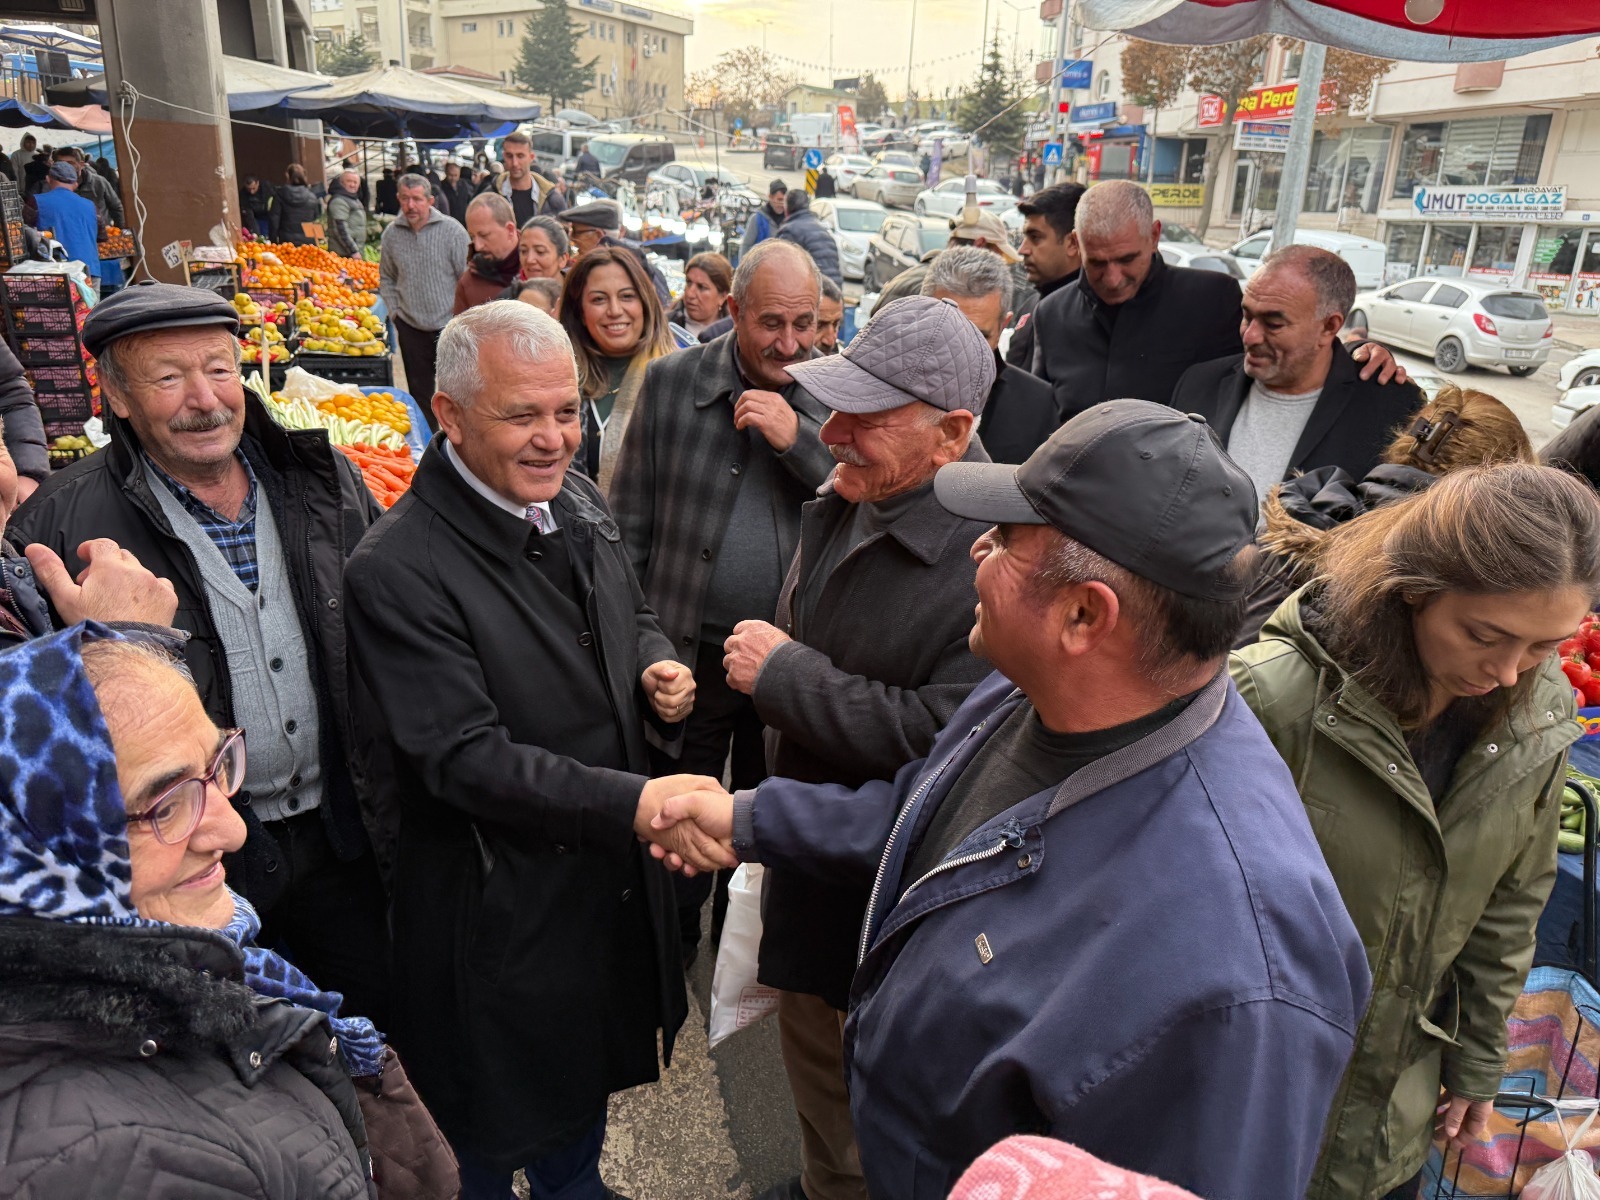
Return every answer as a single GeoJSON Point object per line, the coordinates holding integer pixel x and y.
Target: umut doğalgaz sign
{"type": "Point", "coordinates": [1490, 204]}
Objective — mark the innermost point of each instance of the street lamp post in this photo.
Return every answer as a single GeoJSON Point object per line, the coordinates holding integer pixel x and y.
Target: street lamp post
{"type": "Point", "coordinates": [911, 51]}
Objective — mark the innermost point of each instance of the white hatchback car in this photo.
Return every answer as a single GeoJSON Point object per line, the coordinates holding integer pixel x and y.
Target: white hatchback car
{"type": "Point", "coordinates": [1460, 322]}
{"type": "Point", "coordinates": [853, 222]}
{"type": "Point", "coordinates": [846, 168]}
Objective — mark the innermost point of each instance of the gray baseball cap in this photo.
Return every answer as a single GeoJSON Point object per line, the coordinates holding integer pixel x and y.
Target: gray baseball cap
{"type": "Point", "coordinates": [1139, 483]}
{"type": "Point", "coordinates": [916, 348]}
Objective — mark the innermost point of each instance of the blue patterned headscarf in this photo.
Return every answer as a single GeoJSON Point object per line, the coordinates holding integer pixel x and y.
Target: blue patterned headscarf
{"type": "Point", "coordinates": [63, 824]}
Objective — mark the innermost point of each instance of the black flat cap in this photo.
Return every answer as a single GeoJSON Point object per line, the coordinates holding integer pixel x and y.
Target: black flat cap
{"type": "Point", "coordinates": [597, 214]}
{"type": "Point", "coordinates": [147, 306]}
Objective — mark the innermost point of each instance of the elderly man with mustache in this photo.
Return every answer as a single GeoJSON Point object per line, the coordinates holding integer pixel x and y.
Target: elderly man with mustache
{"type": "Point", "coordinates": [251, 525]}
{"type": "Point", "coordinates": [720, 455]}
{"type": "Point", "coordinates": [865, 661]}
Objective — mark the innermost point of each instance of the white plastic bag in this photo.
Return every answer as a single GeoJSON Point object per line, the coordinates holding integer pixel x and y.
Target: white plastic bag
{"type": "Point", "coordinates": [737, 1000]}
{"type": "Point", "coordinates": [1572, 1176]}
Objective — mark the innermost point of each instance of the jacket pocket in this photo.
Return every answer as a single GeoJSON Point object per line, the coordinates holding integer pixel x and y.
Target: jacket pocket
{"type": "Point", "coordinates": [1416, 1091]}
{"type": "Point", "coordinates": [492, 926]}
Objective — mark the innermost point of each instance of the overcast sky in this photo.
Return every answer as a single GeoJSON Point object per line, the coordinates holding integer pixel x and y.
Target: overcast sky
{"type": "Point", "coordinates": [867, 35]}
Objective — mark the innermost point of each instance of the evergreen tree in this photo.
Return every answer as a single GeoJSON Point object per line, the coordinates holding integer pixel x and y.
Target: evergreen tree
{"type": "Point", "coordinates": [548, 63]}
{"type": "Point", "coordinates": [871, 99]}
{"type": "Point", "coordinates": [350, 58]}
{"type": "Point", "coordinates": [991, 101]}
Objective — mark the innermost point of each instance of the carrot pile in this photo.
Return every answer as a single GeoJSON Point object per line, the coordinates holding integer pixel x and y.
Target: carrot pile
{"type": "Point", "coordinates": [387, 472]}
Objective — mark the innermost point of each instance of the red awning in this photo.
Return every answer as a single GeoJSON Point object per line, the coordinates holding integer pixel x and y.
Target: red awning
{"type": "Point", "coordinates": [1426, 30]}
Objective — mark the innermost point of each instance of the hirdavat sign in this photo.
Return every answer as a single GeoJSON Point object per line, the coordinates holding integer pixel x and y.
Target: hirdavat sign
{"type": "Point", "coordinates": [1490, 204]}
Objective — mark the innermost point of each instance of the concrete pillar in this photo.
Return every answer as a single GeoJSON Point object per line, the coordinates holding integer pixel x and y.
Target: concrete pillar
{"type": "Point", "coordinates": [186, 173]}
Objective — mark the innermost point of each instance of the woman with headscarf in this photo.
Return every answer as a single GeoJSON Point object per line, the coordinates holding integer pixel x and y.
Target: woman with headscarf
{"type": "Point", "coordinates": [174, 1057]}
{"type": "Point", "coordinates": [612, 314]}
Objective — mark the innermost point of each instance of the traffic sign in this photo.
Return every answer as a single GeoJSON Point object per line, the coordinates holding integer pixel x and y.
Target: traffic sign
{"type": "Point", "coordinates": [813, 158]}
{"type": "Point", "coordinates": [1052, 154]}
{"type": "Point", "coordinates": [738, 122]}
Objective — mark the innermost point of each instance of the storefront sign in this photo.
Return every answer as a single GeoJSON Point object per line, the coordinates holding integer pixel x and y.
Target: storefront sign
{"type": "Point", "coordinates": [1076, 74]}
{"type": "Point", "coordinates": [1271, 136]}
{"type": "Point", "coordinates": [1277, 103]}
{"type": "Point", "coordinates": [1091, 116]}
{"type": "Point", "coordinates": [1490, 204]}
{"type": "Point", "coordinates": [1176, 195]}
{"type": "Point", "coordinates": [1211, 114]}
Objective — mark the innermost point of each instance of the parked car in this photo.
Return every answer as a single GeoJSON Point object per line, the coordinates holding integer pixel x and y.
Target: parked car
{"type": "Point", "coordinates": [896, 187]}
{"type": "Point", "coordinates": [950, 197]}
{"type": "Point", "coordinates": [1460, 322]}
{"type": "Point", "coordinates": [1580, 371]}
{"type": "Point", "coordinates": [853, 223]}
{"type": "Point", "coordinates": [846, 168]}
{"type": "Point", "coordinates": [682, 182]}
{"type": "Point", "coordinates": [1198, 256]}
{"type": "Point", "coordinates": [1366, 257]}
{"type": "Point", "coordinates": [631, 156]}
{"type": "Point", "coordinates": [902, 242]}
{"type": "Point", "coordinates": [897, 158]}
{"type": "Point", "coordinates": [783, 151]}
{"type": "Point", "coordinates": [554, 149]}
{"type": "Point", "coordinates": [884, 139]}
{"type": "Point", "coordinates": [955, 142]}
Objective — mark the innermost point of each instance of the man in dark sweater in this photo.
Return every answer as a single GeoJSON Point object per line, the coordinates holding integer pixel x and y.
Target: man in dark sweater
{"type": "Point", "coordinates": [870, 637]}
{"type": "Point", "coordinates": [1049, 255]}
{"type": "Point", "coordinates": [495, 261]}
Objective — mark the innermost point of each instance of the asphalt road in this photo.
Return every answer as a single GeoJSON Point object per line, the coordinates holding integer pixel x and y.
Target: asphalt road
{"type": "Point", "coordinates": [1531, 398]}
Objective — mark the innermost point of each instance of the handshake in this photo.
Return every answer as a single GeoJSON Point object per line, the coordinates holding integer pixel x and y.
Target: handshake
{"type": "Point", "coordinates": [688, 822]}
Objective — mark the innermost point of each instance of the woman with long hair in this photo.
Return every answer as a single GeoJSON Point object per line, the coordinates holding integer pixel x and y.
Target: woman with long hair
{"type": "Point", "coordinates": [1457, 428]}
{"type": "Point", "coordinates": [295, 207]}
{"type": "Point", "coordinates": [1413, 690]}
{"type": "Point", "coordinates": [614, 318]}
{"type": "Point", "coordinates": [707, 280]}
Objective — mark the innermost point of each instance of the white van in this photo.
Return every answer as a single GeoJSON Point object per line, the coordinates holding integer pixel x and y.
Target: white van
{"type": "Point", "coordinates": [1366, 257]}
{"type": "Point", "coordinates": [554, 149]}
{"type": "Point", "coordinates": [812, 129]}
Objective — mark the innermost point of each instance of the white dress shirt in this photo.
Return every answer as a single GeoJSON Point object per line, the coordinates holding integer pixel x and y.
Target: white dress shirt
{"type": "Point", "coordinates": [517, 510]}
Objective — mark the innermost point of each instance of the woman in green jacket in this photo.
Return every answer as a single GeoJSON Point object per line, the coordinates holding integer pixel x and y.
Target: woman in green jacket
{"type": "Point", "coordinates": [1413, 691]}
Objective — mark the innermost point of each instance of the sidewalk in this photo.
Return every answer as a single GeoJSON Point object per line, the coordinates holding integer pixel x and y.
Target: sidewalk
{"type": "Point", "coordinates": [1575, 332]}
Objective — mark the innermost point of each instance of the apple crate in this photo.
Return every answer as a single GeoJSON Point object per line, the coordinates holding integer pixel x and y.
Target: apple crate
{"type": "Point", "coordinates": [37, 291]}
{"type": "Point", "coordinates": [28, 320]}
{"type": "Point", "coordinates": [374, 371]}
{"type": "Point", "coordinates": [117, 245]}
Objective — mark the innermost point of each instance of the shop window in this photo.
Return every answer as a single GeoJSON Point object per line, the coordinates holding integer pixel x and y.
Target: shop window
{"type": "Point", "coordinates": [1405, 244]}
{"type": "Point", "coordinates": [469, 27]}
{"type": "Point", "coordinates": [1495, 256]}
{"type": "Point", "coordinates": [1476, 152]}
{"type": "Point", "coordinates": [1420, 150]}
{"type": "Point", "coordinates": [1555, 254]}
{"type": "Point", "coordinates": [1292, 59]}
{"type": "Point", "coordinates": [1271, 174]}
{"type": "Point", "coordinates": [1447, 250]}
{"type": "Point", "coordinates": [1586, 280]}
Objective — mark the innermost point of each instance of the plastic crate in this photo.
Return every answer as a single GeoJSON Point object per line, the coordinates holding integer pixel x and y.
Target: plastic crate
{"type": "Point", "coordinates": [27, 321]}
{"type": "Point", "coordinates": [63, 349]}
{"type": "Point", "coordinates": [58, 382]}
{"type": "Point", "coordinates": [10, 201]}
{"type": "Point", "coordinates": [375, 371]}
{"type": "Point", "coordinates": [66, 457]}
{"type": "Point", "coordinates": [63, 414]}
{"type": "Point", "coordinates": [35, 291]}
{"type": "Point", "coordinates": [119, 246]}
{"type": "Point", "coordinates": [268, 296]}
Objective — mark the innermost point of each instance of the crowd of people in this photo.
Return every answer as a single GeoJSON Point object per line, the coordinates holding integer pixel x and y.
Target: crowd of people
{"type": "Point", "coordinates": [1152, 733]}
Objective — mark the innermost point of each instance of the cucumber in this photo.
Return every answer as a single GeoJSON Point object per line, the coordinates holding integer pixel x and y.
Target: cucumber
{"type": "Point", "coordinates": [1570, 843]}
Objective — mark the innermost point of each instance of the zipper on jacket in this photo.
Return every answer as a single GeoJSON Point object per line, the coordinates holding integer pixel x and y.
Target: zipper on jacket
{"type": "Point", "coordinates": [888, 846]}
{"type": "Point", "coordinates": [1012, 839]}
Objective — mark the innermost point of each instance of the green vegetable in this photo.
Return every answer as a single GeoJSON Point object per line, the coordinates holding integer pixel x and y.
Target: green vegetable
{"type": "Point", "coordinates": [1569, 843]}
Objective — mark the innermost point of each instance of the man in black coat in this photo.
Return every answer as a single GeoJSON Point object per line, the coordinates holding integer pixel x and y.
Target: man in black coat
{"type": "Point", "coordinates": [507, 659]}
{"type": "Point", "coordinates": [1130, 325]}
{"type": "Point", "coordinates": [251, 524]}
{"type": "Point", "coordinates": [1050, 257]}
{"type": "Point", "coordinates": [866, 660]}
{"type": "Point", "coordinates": [1293, 401]}
{"type": "Point", "coordinates": [1020, 414]}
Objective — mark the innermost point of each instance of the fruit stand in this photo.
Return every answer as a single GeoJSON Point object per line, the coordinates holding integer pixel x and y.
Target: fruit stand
{"type": "Point", "coordinates": [1559, 923]}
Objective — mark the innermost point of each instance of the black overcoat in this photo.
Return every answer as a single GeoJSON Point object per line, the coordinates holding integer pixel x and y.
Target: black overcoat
{"type": "Point", "coordinates": [535, 940]}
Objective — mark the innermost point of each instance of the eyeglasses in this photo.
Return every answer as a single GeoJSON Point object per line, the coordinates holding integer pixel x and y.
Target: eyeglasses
{"type": "Point", "coordinates": [178, 810]}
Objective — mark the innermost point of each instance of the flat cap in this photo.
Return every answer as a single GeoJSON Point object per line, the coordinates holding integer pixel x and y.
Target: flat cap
{"type": "Point", "coordinates": [597, 214]}
{"type": "Point", "coordinates": [149, 306]}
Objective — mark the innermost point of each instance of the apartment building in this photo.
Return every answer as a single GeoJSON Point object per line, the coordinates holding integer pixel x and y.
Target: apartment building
{"type": "Point", "coordinates": [640, 50]}
{"type": "Point", "coordinates": [1483, 169]}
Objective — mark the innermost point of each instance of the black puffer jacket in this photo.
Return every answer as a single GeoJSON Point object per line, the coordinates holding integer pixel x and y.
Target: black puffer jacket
{"type": "Point", "coordinates": [321, 507]}
{"type": "Point", "coordinates": [1297, 516]}
{"type": "Point", "coordinates": [296, 205]}
{"type": "Point", "coordinates": [135, 1063]}
{"type": "Point", "coordinates": [802, 227]}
